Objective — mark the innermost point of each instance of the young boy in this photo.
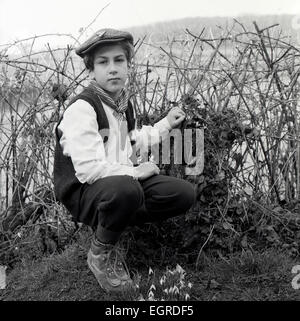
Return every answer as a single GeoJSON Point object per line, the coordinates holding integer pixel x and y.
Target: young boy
{"type": "Point", "coordinates": [94, 174]}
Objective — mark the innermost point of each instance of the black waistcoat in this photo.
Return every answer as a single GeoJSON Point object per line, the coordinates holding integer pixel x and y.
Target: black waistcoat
{"type": "Point", "coordinates": [67, 187]}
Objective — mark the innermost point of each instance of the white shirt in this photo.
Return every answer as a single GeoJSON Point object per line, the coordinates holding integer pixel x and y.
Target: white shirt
{"type": "Point", "coordinates": [91, 158]}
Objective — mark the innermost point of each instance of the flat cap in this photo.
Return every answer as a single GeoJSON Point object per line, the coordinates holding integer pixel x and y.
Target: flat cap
{"type": "Point", "coordinates": [103, 36]}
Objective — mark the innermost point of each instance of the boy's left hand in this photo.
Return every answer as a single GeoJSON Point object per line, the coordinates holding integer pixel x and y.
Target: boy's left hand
{"type": "Point", "coordinates": [175, 116]}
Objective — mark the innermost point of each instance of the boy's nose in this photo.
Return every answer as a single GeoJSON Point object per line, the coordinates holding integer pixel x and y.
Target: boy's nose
{"type": "Point", "coordinates": [112, 68]}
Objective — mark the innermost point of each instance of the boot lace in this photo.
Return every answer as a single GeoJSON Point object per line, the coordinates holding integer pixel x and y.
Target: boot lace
{"type": "Point", "coordinates": [116, 264]}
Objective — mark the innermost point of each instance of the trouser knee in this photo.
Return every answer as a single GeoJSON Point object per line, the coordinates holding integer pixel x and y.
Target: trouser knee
{"type": "Point", "coordinates": [121, 201]}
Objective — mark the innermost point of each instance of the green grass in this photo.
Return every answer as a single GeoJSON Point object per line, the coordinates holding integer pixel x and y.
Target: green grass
{"type": "Point", "coordinates": [243, 276]}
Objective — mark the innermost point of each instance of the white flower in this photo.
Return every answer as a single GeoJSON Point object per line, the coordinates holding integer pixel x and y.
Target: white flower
{"type": "Point", "coordinates": [151, 294]}
{"type": "Point", "coordinates": [186, 297]}
{"type": "Point", "coordinates": [162, 280]}
{"type": "Point", "coordinates": [150, 271]}
{"type": "Point", "coordinates": [166, 291]}
{"type": "Point", "coordinates": [190, 285]}
{"type": "Point", "coordinates": [152, 287]}
{"type": "Point", "coordinates": [171, 290]}
{"type": "Point", "coordinates": [179, 269]}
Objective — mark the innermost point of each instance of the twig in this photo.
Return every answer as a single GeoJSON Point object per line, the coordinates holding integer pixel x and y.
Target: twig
{"type": "Point", "coordinates": [202, 247]}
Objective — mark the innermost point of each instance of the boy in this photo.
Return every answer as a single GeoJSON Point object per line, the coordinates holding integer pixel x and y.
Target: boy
{"type": "Point", "coordinates": [94, 175]}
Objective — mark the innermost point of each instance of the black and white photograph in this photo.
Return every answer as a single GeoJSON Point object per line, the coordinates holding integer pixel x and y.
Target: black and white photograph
{"type": "Point", "coordinates": [150, 151]}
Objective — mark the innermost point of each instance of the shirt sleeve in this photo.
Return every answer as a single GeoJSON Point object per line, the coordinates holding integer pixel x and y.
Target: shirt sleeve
{"type": "Point", "coordinates": [151, 135]}
{"type": "Point", "coordinates": [83, 143]}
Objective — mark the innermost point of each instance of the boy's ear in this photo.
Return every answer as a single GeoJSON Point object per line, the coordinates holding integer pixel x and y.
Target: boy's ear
{"type": "Point", "coordinates": [92, 74]}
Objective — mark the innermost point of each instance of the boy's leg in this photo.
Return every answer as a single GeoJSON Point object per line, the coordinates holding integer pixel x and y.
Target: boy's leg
{"type": "Point", "coordinates": [109, 203]}
{"type": "Point", "coordinates": [165, 197]}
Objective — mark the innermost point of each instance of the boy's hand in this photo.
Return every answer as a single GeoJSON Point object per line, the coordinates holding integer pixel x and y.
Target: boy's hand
{"type": "Point", "coordinates": [175, 116]}
{"type": "Point", "coordinates": [146, 170]}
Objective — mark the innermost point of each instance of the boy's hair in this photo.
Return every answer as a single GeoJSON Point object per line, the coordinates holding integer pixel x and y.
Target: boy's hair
{"type": "Point", "coordinates": [128, 48]}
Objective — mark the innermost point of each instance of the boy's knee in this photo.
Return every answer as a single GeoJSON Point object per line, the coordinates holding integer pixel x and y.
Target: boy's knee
{"type": "Point", "coordinates": [128, 193]}
{"type": "Point", "coordinates": [177, 192]}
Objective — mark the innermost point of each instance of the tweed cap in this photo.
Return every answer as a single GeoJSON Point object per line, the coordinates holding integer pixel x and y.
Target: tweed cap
{"type": "Point", "coordinates": [103, 36]}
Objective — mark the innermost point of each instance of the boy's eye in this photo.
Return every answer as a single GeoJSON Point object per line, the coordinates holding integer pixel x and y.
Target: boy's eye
{"type": "Point", "coordinates": [101, 61]}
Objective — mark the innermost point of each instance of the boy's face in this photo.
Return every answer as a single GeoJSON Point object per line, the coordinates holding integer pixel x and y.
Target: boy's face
{"type": "Point", "coordinates": [110, 69]}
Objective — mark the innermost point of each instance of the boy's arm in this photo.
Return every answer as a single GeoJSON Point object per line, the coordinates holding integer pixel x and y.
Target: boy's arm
{"type": "Point", "coordinates": [152, 135]}
{"type": "Point", "coordinates": [82, 142]}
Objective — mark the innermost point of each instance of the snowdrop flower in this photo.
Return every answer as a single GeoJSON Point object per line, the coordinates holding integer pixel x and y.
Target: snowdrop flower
{"type": "Point", "coordinates": [186, 297]}
{"type": "Point", "coordinates": [162, 280]}
{"type": "Point", "coordinates": [151, 294]}
{"type": "Point", "coordinates": [179, 269]}
{"type": "Point", "coordinates": [152, 287]}
{"type": "Point", "coordinates": [176, 290]}
{"type": "Point", "coordinates": [171, 290]}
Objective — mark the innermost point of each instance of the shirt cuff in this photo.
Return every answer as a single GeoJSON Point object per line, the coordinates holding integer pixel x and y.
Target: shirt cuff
{"type": "Point", "coordinates": [131, 171]}
{"type": "Point", "coordinates": [163, 124]}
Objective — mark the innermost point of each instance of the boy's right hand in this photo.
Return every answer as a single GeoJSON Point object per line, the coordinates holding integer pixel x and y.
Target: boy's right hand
{"type": "Point", "coordinates": [146, 170]}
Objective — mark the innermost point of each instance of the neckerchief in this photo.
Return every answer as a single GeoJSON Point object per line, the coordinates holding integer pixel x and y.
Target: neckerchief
{"type": "Point", "coordinates": [120, 105]}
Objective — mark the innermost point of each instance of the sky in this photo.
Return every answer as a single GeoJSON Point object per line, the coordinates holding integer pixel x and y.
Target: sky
{"type": "Point", "coordinates": [20, 19]}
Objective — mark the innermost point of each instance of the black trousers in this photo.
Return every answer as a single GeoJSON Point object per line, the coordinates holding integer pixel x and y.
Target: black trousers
{"type": "Point", "coordinates": [112, 203]}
